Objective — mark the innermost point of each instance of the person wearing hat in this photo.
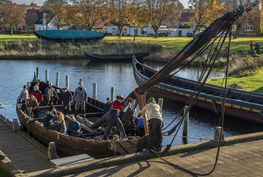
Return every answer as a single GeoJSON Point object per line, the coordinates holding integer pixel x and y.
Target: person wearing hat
{"type": "Point", "coordinates": [80, 98]}
{"type": "Point", "coordinates": [155, 122]}
{"type": "Point", "coordinates": [112, 117]}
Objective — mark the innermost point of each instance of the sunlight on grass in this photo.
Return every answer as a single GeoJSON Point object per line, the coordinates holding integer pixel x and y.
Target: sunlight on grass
{"type": "Point", "coordinates": [249, 80]}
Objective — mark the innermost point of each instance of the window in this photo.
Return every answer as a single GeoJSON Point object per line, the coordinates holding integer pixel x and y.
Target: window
{"type": "Point", "coordinates": [249, 27]}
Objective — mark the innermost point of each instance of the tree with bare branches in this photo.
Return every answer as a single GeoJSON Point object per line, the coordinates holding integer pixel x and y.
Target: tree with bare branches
{"type": "Point", "coordinates": [56, 12]}
{"type": "Point", "coordinates": [159, 11]}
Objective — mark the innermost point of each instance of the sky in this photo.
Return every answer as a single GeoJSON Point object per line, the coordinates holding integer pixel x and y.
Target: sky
{"type": "Point", "coordinates": [184, 2]}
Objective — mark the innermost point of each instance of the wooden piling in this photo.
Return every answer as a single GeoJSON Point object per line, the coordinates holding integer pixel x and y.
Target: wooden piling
{"type": "Point", "coordinates": [185, 123]}
{"type": "Point", "coordinates": [52, 151]}
{"type": "Point", "coordinates": [15, 125]}
{"type": "Point", "coordinates": [46, 75]}
{"type": "Point", "coordinates": [94, 91]}
{"type": "Point", "coordinates": [160, 102]}
{"type": "Point", "coordinates": [57, 79]}
{"type": "Point", "coordinates": [37, 73]}
{"type": "Point", "coordinates": [67, 81]}
{"type": "Point", "coordinates": [112, 93]}
{"type": "Point", "coordinates": [217, 135]}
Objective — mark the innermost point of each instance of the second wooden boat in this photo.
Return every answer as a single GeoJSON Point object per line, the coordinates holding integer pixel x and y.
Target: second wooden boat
{"type": "Point", "coordinates": [115, 57]}
{"type": "Point", "coordinates": [239, 104]}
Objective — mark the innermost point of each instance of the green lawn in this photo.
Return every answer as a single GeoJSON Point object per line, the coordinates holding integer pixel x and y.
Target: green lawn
{"type": "Point", "coordinates": [168, 43]}
{"type": "Point", "coordinates": [12, 38]}
{"type": "Point", "coordinates": [249, 81]}
{"type": "Point", "coordinates": [177, 43]}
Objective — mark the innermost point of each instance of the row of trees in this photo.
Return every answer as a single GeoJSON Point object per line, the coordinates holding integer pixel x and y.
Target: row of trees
{"type": "Point", "coordinates": [89, 13]}
{"type": "Point", "coordinates": [138, 13]}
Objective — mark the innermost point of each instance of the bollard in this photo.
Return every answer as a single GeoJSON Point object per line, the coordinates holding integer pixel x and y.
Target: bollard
{"type": "Point", "coordinates": [217, 134]}
{"type": "Point", "coordinates": [15, 125]}
{"type": "Point", "coordinates": [186, 123]}
{"type": "Point", "coordinates": [57, 79]}
{"type": "Point", "coordinates": [67, 81]}
{"type": "Point", "coordinates": [46, 75]}
{"type": "Point", "coordinates": [52, 151]}
{"type": "Point", "coordinates": [112, 93]}
{"type": "Point", "coordinates": [37, 73]}
{"type": "Point", "coordinates": [94, 91]}
{"type": "Point", "coordinates": [160, 102]}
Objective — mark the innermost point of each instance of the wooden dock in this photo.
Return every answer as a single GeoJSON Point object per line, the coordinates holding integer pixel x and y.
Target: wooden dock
{"type": "Point", "coordinates": [22, 156]}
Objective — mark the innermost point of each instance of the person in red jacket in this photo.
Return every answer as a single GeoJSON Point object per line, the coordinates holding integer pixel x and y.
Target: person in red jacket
{"type": "Point", "coordinates": [38, 94]}
{"type": "Point", "coordinates": [112, 117]}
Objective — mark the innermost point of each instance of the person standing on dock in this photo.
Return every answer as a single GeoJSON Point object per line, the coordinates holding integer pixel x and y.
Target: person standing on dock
{"type": "Point", "coordinates": [155, 122]}
{"type": "Point", "coordinates": [113, 117]}
{"type": "Point", "coordinates": [80, 98]}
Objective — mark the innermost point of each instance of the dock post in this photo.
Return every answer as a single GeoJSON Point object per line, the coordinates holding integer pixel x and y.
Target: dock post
{"type": "Point", "coordinates": [160, 102]}
{"type": "Point", "coordinates": [186, 124]}
{"type": "Point", "coordinates": [46, 75]}
{"type": "Point", "coordinates": [57, 79]}
{"type": "Point", "coordinates": [52, 151]}
{"type": "Point", "coordinates": [94, 91]}
{"type": "Point", "coordinates": [217, 134]}
{"type": "Point", "coordinates": [112, 93]}
{"type": "Point", "coordinates": [67, 81]}
{"type": "Point", "coordinates": [37, 73]}
{"type": "Point", "coordinates": [15, 126]}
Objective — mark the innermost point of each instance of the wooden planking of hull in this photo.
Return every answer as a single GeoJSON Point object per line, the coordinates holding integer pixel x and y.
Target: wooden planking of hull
{"type": "Point", "coordinates": [239, 104]}
{"type": "Point", "coordinates": [70, 145]}
{"type": "Point", "coordinates": [115, 57]}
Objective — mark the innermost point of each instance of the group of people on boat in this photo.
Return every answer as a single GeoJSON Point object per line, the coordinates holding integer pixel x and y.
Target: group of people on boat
{"type": "Point", "coordinates": [32, 97]}
{"type": "Point", "coordinates": [55, 120]}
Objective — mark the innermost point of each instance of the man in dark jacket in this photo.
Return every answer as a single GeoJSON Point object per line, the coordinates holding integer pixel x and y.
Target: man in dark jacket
{"type": "Point", "coordinates": [66, 98]}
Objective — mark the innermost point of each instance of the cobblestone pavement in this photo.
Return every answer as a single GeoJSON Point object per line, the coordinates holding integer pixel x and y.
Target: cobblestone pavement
{"type": "Point", "coordinates": [239, 160]}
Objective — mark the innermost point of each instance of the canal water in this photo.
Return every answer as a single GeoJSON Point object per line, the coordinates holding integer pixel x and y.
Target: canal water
{"type": "Point", "coordinates": [15, 73]}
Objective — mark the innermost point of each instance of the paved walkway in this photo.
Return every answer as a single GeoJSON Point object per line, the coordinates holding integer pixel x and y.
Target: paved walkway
{"type": "Point", "coordinates": [239, 160]}
{"type": "Point", "coordinates": [23, 155]}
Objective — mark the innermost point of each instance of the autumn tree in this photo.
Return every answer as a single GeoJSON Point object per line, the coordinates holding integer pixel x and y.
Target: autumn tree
{"type": "Point", "coordinates": [136, 15]}
{"type": "Point", "coordinates": [160, 10]}
{"type": "Point", "coordinates": [90, 12]}
{"type": "Point", "coordinates": [118, 11]}
{"type": "Point", "coordinates": [200, 8]}
{"type": "Point", "coordinates": [12, 16]}
{"type": "Point", "coordinates": [56, 12]}
{"type": "Point", "coordinates": [214, 11]}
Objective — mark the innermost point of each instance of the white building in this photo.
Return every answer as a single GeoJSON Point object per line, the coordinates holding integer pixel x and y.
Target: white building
{"type": "Point", "coordinates": [148, 31]}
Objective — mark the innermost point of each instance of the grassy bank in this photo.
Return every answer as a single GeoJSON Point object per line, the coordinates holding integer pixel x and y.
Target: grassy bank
{"type": "Point", "coordinates": [28, 47]}
{"type": "Point", "coordinates": [250, 80]}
